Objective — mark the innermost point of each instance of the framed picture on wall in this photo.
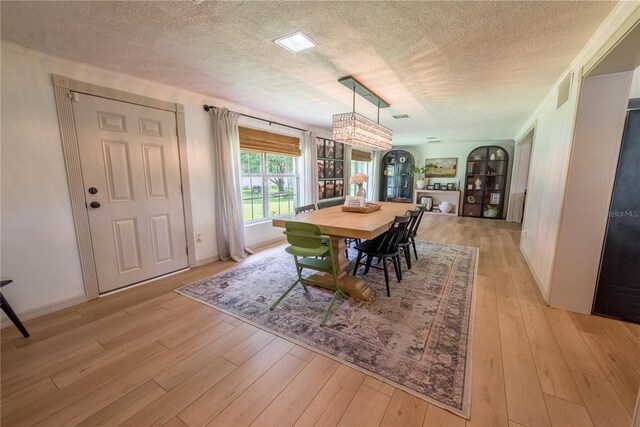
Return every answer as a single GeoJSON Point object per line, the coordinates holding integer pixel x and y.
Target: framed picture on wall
{"type": "Point", "coordinates": [320, 147]}
{"type": "Point", "coordinates": [329, 149]}
{"type": "Point", "coordinates": [328, 189]}
{"type": "Point", "coordinates": [339, 148]}
{"type": "Point", "coordinates": [338, 170]}
{"type": "Point", "coordinates": [339, 189]}
{"type": "Point", "coordinates": [329, 169]}
{"type": "Point", "coordinates": [321, 169]}
{"type": "Point", "coordinates": [441, 168]}
{"type": "Point", "coordinates": [321, 190]}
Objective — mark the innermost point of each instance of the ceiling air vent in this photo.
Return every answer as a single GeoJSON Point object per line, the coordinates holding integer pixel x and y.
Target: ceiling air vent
{"type": "Point", "coordinates": [401, 116]}
{"type": "Point", "coordinates": [564, 91]}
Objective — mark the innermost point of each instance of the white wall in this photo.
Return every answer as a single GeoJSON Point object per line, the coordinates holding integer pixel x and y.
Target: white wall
{"type": "Point", "coordinates": [635, 85]}
{"type": "Point", "coordinates": [39, 250]}
{"type": "Point", "coordinates": [594, 158]}
{"type": "Point", "coordinates": [550, 160]}
{"type": "Point", "coordinates": [461, 151]}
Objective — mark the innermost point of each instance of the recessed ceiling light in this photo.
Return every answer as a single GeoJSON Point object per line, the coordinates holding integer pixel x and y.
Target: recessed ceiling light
{"type": "Point", "coordinates": [401, 116]}
{"type": "Point", "coordinates": [296, 42]}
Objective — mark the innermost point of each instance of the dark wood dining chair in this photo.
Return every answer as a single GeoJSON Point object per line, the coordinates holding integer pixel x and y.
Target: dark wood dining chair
{"type": "Point", "coordinates": [405, 243]}
{"type": "Point", "coordinates": [323, 204]}
{"type": "Point", "coordinates": [385, 247]}
{"type": "Point", "coordinates": [412, 230]}
{"type": "Point", "coordinates": [9, 311]}
{"type": "Point", "coordinates": [305, 208]}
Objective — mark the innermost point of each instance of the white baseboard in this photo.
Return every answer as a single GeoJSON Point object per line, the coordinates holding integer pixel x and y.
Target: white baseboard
{"type": "Point", "coordinates": [545, 295]}
{"type": "Point", "coordinates": [207, 260]}
{"type": "Point", "coordinates": [268, 243]}
{"type": "Point", "coordinates": [45, 309]}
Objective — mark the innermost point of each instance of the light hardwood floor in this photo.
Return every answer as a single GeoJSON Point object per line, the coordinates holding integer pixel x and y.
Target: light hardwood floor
{"type": "Point", "coordinates": [150, 356]}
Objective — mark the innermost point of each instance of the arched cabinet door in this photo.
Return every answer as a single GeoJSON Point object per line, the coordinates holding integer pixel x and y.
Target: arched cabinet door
{"type": "Point", "coordinates": [486, 183]}
{"type": "Point", "coordinates": [396, 183]}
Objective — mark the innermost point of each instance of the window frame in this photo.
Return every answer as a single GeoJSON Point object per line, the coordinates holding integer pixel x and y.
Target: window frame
{"type": "Point", "coordinates": [265, 176]}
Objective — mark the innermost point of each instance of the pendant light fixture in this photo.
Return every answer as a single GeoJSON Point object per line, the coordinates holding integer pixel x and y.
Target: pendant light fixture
{"type": "Point", "coordinates": [357, 130]}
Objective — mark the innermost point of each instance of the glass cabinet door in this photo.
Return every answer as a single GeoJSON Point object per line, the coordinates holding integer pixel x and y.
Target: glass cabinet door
{"type": "Point", "coordinates": [396, 182]}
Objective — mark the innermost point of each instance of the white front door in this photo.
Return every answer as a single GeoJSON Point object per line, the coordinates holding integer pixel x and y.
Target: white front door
{"type": "Point", "coordinates": [131, 173]}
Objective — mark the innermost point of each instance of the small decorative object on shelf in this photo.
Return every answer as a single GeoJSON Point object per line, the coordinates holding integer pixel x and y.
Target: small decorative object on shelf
{"type": "Point", "coordinates": [436, 186]}
{"type": "Point", "coordinates": [491, 211]}
{"type": "Point", "coordinates": [478, 184]}
{"type": "Point", "coordinates": [471, 199]}
{"type": "Point", "coordinates": [427, 202]}
{"type": "Point", "coordinates": [445, 207]}
{"type": "Point", "coordinates": [451, 186]}
{"type": "Point", "coordinates": [359, 179]}
{"type": "Point", "coordinates": [495, 198]}
{"type": "Point", "coordinates": [431, 187]}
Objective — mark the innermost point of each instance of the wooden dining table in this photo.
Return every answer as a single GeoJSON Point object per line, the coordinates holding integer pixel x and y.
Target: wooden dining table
{"type": "Point", "coordinates": [338, 225]}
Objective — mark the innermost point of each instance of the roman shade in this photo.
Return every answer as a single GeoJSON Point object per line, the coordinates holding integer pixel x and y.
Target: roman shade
{"type": "Point", "coordinates": [360, 156]}
{"type": "Point", "coordinates": [263, 141]}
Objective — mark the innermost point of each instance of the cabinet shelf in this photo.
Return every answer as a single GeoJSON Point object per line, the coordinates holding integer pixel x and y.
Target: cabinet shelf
{"type": "Point", "coordinates": [485, 170]}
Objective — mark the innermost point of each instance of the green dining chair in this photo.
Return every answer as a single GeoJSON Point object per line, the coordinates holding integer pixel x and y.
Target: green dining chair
{"type": "Point", "coordinates": [306, 243]}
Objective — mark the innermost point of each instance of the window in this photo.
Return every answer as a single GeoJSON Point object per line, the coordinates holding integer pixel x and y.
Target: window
{"type": "Point", "coordinates": [269, 185]}
{"type": "Point", "coordinates": [357, 167]}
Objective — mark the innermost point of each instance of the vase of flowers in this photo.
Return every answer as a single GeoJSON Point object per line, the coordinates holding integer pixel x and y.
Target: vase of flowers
{"type": "Point", "coordinates": [421, 183]}
{"type": "Point", "coordinates": [359, 179]}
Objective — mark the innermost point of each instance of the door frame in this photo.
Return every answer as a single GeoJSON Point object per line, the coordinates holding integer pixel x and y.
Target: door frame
{"type": "Point", "coordinates": [63, 88]}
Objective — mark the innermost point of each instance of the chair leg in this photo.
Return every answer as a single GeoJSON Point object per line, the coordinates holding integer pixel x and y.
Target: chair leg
{"type": "Point", "coordinates": [386, 274]}
{"type": "Point", "coordinates": [13, 316]}
{"type": "Point", "coordinates": [407, 256]}
{"type": "Point", "coordinates": [396, 268]}
{"type": "Point", "coordinates": [284, 295]}
{"type": "Point", "coordinates": [328, 312]}
{"type": "Point", "coordinates": [399, 267]}
{"type": "Point", "coordinates": [413, 243]}
{"type": "Point", "coordinates": [368, 264]}
{"type": "Point", "coordinates": [355, 269]}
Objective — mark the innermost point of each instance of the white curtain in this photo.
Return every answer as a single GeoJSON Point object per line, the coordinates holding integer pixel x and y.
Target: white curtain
{"type": "Point", "coordinates": [307, 165]}
{"type": "Point", "coordinates": [374, 179]}
{"type": "Point", "coordinates": [228, 194]}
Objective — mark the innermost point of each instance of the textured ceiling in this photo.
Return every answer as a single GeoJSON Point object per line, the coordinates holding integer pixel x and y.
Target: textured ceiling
{"type": "Point", "coordinates": [461, 70]}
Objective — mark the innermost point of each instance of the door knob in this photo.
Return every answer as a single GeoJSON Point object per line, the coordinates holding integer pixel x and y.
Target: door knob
{"type": "Point", "coordinates": [94, 205]}
{"type": "Point", "coordinates": [93, 190]}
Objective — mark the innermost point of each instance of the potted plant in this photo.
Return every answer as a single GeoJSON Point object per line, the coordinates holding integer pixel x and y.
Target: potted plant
{"type": "Point", "coordinates": [420, 183]}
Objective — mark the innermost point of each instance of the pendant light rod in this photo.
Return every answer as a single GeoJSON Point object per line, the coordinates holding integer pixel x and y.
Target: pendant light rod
{"type": "Point", "coordinates": [363, 91]}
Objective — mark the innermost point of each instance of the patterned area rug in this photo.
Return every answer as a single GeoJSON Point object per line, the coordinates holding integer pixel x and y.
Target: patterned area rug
{"type": "Point", "coordinates": [419, 340]}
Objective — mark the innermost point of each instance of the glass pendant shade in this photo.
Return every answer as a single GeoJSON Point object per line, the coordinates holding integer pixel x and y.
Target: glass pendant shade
{"type": "Point", "coordinates": [357, 130]}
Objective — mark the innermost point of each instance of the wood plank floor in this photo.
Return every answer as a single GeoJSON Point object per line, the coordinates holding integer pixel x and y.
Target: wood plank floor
{"type": "Point", "coordinates": [148, 356]}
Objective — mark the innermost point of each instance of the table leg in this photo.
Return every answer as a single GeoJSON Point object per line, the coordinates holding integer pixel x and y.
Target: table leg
{"type": "Point", "coordinates": [351, 285]}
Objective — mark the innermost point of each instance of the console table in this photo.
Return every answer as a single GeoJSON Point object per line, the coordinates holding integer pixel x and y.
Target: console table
{"type": "Point", "coordinates": [439, 196]}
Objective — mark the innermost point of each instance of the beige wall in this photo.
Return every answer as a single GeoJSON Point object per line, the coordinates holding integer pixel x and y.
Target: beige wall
{"type": "Point", "coordinates": [39, 249]}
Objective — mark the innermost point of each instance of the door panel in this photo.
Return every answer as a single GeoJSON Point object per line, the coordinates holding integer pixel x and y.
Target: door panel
{"type": "Point", "coordinates": [127, 240]}
{"type": "Point", "coordinates": [154, 171]}
{"type": "Point", "coordinates": [618, 291]}
{"type": "Point", "coordinates": [129, 153]}
{"type": "Point", "coordinates": [117, 166]}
